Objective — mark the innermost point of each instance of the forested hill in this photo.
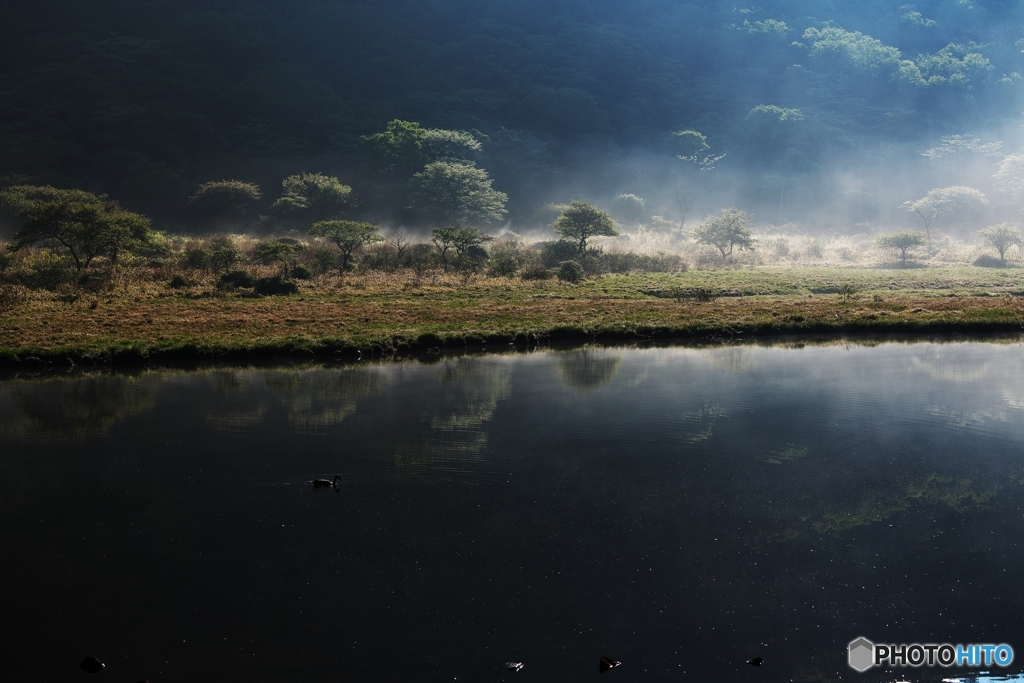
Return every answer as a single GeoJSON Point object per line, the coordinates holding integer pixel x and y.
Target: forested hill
{"type": "Point", "coordinates": [145, 99]}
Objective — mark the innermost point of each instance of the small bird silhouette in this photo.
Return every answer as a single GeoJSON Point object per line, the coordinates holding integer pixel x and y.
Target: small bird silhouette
{"type": "Point", "coordinates": [513, 666]}
{"type": "Point", "coordinates": [756, 661]}
{"type": "Point", "coordinates": [607, 664]}
{"type": "Point", "coordinates": [92, 665]}
{"type": "Point", "coordinates": [324, 483]}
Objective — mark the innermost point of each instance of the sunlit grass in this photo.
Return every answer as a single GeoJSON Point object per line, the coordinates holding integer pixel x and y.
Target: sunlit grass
{"type": "Point", "coordinates": [139, 317]}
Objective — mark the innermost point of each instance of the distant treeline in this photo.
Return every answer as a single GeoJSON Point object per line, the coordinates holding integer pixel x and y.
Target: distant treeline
{"type": "Point", "coordinates": [145, 101]}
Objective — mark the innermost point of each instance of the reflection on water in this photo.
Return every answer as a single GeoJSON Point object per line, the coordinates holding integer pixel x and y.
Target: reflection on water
{"type": "Point", "coordinates": [586, 371]}
{"type": "Point", "coordinates": [682, 511]}
{"type": "Point", "coordinates": [56, 409]}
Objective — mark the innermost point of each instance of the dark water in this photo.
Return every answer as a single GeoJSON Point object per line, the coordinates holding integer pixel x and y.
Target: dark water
{"type": "Point", "coordinates": [679, 510]}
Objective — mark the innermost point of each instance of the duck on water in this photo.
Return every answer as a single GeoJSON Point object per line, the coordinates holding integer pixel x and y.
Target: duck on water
{"type": "Point", "coordinates": [324, 483]}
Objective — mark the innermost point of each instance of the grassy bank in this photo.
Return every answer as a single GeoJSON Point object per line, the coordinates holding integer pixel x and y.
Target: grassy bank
{"type": "Point", "coordinates": [381, 314]}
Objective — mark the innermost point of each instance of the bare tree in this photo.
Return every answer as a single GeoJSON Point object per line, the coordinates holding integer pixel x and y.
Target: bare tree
{"type": "Point", "coordinates": [401, 244]}
{"type": "Point", "coordinates": [684, 200]}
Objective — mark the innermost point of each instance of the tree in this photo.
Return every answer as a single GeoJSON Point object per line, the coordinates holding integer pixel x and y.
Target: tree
{"type": "Point", "coordinates": [580, 221]}
{"type": "Point", "coordinates": [456, 192]}
{"type": "Point", "coordinates": [220, 200]}
{"type": "Point", "coordinates": [726, 231]}
{"type": "Point", "coordinates": [692, 146]}
{"type": "Point", "coordinates": [770, 127]}
{"type": "Point", "coordinates": [313, 197]}
{"type": "Point", "coordinates": [1001, 237]}
{"type": "Point", "coordinates": [926, 209]}
{"type": "Point", "coordinates": [283, 252]}
{"type": "Point", "coordinates": [630, 208]}
{"type": "Point", "coordinates": [83, 224]}
{"type": "Point", "coordinates": [957, 202]}
{"type": "Point", "coordinates": [348, 236]}
{"type": "Point", "coordinates": [1010, 176]}
{"type": "Point", "coordinates": [450, 145]}
{"type": "Point", "coordinates": [903, 240]}
{"type": "Point", "coordinates": [462, 240]}
{"type": "Point", "coordinates": [399, 149]}
{"type": "Point", "coordinates": [684, 199]}
{"type": "Point", "coordinates": [223, 255]}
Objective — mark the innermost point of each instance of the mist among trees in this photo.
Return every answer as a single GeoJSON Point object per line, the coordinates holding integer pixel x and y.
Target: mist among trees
{"type": "Point", "coordinates": [811, 112]}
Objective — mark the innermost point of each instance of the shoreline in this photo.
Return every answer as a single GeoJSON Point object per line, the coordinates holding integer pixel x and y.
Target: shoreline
{"type": "Point", "coordinates": [430, 347]}
{"type": "Point", "coordinates": [364, 318]}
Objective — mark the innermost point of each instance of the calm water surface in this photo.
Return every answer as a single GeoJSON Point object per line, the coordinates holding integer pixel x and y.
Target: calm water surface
{"type": "Point", "coordinates": [679, 510]}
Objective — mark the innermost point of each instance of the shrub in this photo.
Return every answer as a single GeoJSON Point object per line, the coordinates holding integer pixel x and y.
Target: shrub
{"type": "Point", "coordinates": [179, 281]}
{"type": "Point", "coordinates": [471, 260]}
{"type": "Point", "coordinates": [423, 257]}
{"type": "Point", "coordinates": [236, 278]}
{"type": "Point", "coordinates": [223, 256]}
{"type": "Point", "coordinates": [94, 282]}
{"type": "Point", "coordinates": [553, 254]}
{"type": "Point", "coordinates": [301, 273]}
{"type": "Point", "coordinates": [10, 296]}
{"type": "Point", "coordinates": [507, 257]}
{"type": "Point", "coordinates": [536, 271]}
{"type": "Point", "coordinates": [277, 285]}
{"type": "Point", "coordinates": [701, 294]}
{"type": "Point", "coordinates": [46, 270]}
{"type": "Point", "coordinates": [196, 257]}
{"type": "Point", "coordinates": [986, 261]}
{"type": "Point", "coordinates": [570, 271]}
{"type": "Point", "coordinates": [324, 260]}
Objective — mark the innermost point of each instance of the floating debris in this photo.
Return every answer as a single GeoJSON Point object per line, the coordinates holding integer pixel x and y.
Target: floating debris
{"type": "Point", "coordinates": [513, 666]}
{"type": "Point", "coordinates": [92, 665]}
{"type": "Point", "coordinates": [607, 664]}
{"type": "Point", "coordinates": [756, 661]}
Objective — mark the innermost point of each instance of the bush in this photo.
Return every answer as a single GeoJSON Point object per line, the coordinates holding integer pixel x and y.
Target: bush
{"type": "Point", "coordinates": [471, 261]}
{"type": "Point", "coordinates": [94, 282]}
{"type": "Point", "coordinates": [236, 278]}
{"type": "Point", "coordinates": [536, 271]}
{"type": "Point", "coordinates": [10, 296]}
{"type": "Point", "coordinates": [301, 273]}
{"type": "Point", "coordinates": [46, 270]}
{"type": "Point", "coordinates": [553, 254]}
{"type": "Point", "coordinates": [570, 271]}
{"type": "Point", "coordinates": [507, 257]}
{"type": "Point", "coordinates": [179, 281]}
{"type": "Point", "coordinates": [986, 261]}
{"type": "Point", "coordinates": [702, 294]}
{"type": "Point", "coordinates": [223, 256]}
{"type": "Point", "coordinates": [325, 260]}
{"type": "Point", "coordinates": [423, 257]}
{"type": "Point", "coordinates": [196, 258]}
{"type": "Point", "coordinates": [274, 286]}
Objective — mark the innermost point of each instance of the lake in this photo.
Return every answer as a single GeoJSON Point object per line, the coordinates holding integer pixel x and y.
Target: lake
{"type": "Point", "coordinates": [679, 510]}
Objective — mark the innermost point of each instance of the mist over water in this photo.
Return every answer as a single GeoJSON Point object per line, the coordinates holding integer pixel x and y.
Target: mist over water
{"type": "Point", "coordinates": [679, 510]}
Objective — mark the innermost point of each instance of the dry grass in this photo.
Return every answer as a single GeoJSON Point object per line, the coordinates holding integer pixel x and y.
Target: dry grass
{"type": "Point", "coordinates": [141, 317]}
{"type": "Point", "coordinates": [784, 246]}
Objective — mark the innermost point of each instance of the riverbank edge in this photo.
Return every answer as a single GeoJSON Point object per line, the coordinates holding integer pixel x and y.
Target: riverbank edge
{"type": "Point", "coordinates": [562, 337]}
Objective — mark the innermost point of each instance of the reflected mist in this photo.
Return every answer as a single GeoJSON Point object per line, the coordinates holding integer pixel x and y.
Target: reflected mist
{"type": "Point", "coordinates": [682, 511]}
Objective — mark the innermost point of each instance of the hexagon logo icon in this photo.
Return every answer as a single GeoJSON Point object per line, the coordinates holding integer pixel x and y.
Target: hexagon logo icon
{"type": "Point", "coordinates": [862, 654]}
